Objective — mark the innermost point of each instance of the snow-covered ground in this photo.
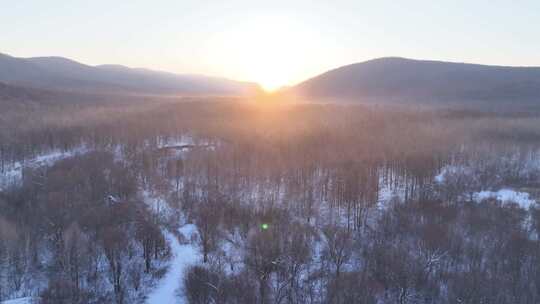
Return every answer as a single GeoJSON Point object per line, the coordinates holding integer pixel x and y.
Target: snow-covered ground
{"type": "Point", "coordinates": [506, 196]}
{"type": "Point", "coordinates": [387, 194]}
{"type": "Point", "coordinates": [175, 141]}
{"type": "Point", "coordinates": [168, 290]}
{"type": "Point", "coordinates": [157, 205]}
{"type": "Point", "coordinates": [27, 300]}
{"type": "Point", "coordinates": [12, 174]}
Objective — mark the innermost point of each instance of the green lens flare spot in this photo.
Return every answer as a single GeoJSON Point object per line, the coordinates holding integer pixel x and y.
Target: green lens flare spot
{"type": "Point", "coordinates": [264, 226]}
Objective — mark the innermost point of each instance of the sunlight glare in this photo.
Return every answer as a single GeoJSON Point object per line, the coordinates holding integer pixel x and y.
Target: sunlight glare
{"type": "Point", "coordinates": [271, 51]}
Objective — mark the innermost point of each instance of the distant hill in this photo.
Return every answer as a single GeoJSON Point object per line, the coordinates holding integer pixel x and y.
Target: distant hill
{"type": "Point", "coordinates": [9, 93]}
{"type": "Point", "coordinates": [20, 97]}
{"type": "Point", "coordinates": [57, 73]}
{"type": "Point", "coordinates": [400, 79]}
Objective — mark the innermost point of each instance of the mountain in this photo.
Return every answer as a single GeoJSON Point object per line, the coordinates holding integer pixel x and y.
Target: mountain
{"type": "Point", "coordinates": [57, 73]}
{"type": "Point", "coordinates": [14, 93]}
{"type": "Point", "coordinates": [400, 79]}
{"type": "Point", "coordinates": [11, 95]}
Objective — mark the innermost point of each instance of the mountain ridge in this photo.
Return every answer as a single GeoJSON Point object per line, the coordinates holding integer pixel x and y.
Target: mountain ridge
{"type": "Point", "coordinates": [64, 74]}
{"type": "Point", "coordinates": [394, 78]}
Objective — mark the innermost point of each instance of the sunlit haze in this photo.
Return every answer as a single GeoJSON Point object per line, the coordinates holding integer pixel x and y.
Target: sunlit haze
{"type": "Point", "coordinates": [268, 50]}
{"type": "Point", "coordinates": [274, 43]}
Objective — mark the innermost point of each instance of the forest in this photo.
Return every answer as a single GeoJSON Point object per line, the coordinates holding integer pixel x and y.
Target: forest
{"type": "Point", "coordinates": [284, 202]}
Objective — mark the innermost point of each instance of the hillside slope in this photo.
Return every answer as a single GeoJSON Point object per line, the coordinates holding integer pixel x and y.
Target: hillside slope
{"type": "Point", "coordinates": [418, 80]}
{"type": "Point", "coordinates": [57, 73]}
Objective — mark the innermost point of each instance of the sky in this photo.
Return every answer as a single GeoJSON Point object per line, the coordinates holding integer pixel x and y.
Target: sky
{"type": "Point", "coordinates": [272, 42]}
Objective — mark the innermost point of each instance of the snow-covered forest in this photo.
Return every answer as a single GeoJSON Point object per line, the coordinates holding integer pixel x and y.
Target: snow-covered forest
{"type": "Point", "coordinates": [205, 202]}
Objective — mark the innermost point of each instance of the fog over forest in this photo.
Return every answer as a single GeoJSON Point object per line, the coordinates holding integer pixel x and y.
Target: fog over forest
{"type": "Point", "coordinates": [236, 201]}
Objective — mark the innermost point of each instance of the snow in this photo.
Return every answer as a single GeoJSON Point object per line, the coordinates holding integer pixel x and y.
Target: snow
{"type": "Point", "coordinates": [439, 178]}
{"type": "Point", "coordinates": [10, 177]}
{"type": "Point", "coordinates": [175, 142]}
{"type": "Point", "coordinates": [27, 300]}
{"type": "Point", "coordinates": [506, 196]}
{"type": "Point", "coordinates": [188, 230]}
{"type": "Point", "coordinates": [450, 170]}
{"type": "Point", "coordinates": [13, 173]}
{"type": "Point", "coordinates": [183, 256]}
{"type": "Point", "coordinates": [157, 204]}
{"type": "Point", "coordinates": [388, 194]}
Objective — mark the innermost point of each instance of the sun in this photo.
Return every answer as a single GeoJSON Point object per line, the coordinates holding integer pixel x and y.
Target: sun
{"type": "Point", "coordinates": [271, 84]}
{"type": "Point", "coordinates": [271, 80]}
{"type": "Point", "coordinates": [272, 51]}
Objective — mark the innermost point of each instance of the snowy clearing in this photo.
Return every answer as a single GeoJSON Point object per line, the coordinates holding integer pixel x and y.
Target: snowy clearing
{"type": "Point", "coordinates": [388, 194]}
{"type": "Point", "coordinates": [12, 174]}
{"type": "Point", "coordinates": [171, 142]}
{"type": "Point", "coordinates": [27, 300]}
{"type": "Point", "coordinates": [183, 257]}
{"type": "Point", "coordinates": [506, 196]}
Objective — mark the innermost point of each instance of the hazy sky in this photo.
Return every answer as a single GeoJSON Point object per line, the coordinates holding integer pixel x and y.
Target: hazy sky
{"type": "Point", "coordinates": [272, 42]}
